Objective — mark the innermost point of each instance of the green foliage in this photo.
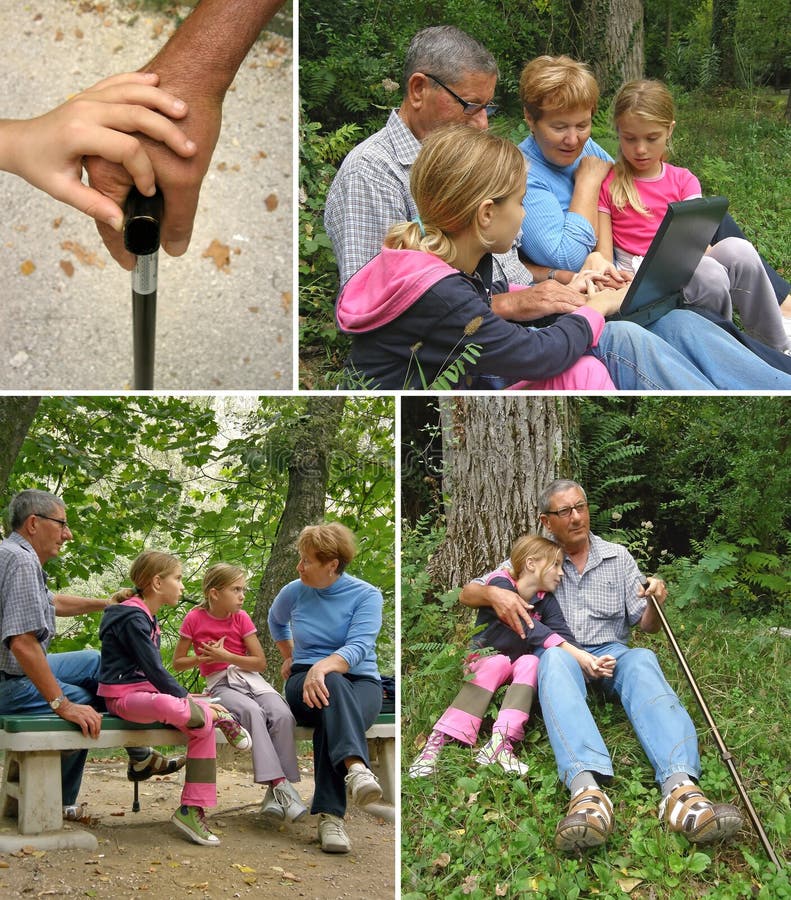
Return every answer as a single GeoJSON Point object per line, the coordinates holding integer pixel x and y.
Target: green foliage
{"type": "Point", "coordinates": [205, 479]}
{"type": "Point", "coordinates": [319, 155]}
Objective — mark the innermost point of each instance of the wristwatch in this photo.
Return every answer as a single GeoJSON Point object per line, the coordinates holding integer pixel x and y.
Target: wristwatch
{"type": "Point", "coordinates": [551, 274]}
{"type": "Point", "coordinates": [55, 704]}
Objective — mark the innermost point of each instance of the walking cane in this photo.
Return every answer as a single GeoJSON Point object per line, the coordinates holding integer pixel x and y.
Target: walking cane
{"type": "Point", "coordinates": [726, 756]}
{"type": "Point", "coordinates": [141, 237]}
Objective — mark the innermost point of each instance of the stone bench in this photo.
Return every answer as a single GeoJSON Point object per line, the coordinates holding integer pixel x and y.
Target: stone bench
{"type": "Point", "coordinates": [31, 785]}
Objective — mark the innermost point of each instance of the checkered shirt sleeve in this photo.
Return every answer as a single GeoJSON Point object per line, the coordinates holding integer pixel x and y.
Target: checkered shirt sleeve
{"type": "Point", "coordinates": [25, 601]}
{"type": "Point", "coordinates": [370, 193]}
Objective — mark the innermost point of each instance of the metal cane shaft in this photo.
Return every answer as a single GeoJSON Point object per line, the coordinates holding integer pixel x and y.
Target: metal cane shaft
{"type": "Point", "coordinates": [724, 753]}
{"type": "Point", "coordinates": [141, 237]}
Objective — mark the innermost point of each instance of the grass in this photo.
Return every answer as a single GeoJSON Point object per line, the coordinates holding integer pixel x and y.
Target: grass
{"type": "Point", "coordinates": [476, 832]}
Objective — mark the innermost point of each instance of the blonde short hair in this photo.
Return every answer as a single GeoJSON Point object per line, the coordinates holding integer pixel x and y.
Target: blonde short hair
{"type": "Point", "coordinates": [328, 541]}
{"type": "Point", "coordinates": [557, 83]}
{"type": "Point", "coordinates": [457, 168]}
{"type": "Point", "coordinates": [219, 576]}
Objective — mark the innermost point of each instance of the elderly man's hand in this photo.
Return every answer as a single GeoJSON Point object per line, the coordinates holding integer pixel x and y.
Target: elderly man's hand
{"type": "Point", "coordinates": [89, 721]}
{"type": "Point", "coordinates": [654, 587]}
{"type": "Point", "coordinates": [511, 609]}
{"type": "Point", "coordinates": [545, 299]}
{"type": "Point", "coordinates": [179, 179]}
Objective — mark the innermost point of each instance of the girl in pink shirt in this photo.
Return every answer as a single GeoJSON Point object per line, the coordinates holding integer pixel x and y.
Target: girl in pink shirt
{"type": "Point", "coordinates": [634, 198]}
{"type": "Point", "coordinates": [230, 657]}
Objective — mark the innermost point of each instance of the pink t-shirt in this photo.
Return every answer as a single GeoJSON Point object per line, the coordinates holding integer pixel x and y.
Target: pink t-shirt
{"type": "Point", "coordinates": [200, 626]}
{"type": "Point", "coordinates": [633, 232]}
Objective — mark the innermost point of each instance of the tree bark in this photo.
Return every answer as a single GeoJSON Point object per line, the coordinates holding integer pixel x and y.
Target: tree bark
{"type": "Point", "coordinates": [16, 417]}
{"type": "Point", "coordinates": [308, 475]}
{"type": "Point", "coordinates": [612, 41]}
{"type": "Point", "coordinates": [499, 453]}
{"type": "Point", "coordinates": [723, 38]}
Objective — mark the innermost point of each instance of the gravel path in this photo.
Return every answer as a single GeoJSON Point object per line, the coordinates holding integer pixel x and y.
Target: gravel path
{"type": "Point", "coordinates": [65, 318]}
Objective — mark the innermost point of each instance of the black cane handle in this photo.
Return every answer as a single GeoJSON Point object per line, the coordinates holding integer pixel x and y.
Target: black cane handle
{"type": "Point", "coordinates": [142, 216]}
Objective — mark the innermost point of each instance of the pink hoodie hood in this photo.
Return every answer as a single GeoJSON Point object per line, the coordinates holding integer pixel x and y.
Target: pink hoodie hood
{"type": "Point", "coordinates": [386, 287]}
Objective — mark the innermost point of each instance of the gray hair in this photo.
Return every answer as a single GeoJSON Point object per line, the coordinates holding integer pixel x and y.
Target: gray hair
{"type": "Point", "coordinates": [555, 487]}
{"type": "Point", "coordinates": [32, 503]}
{"type": "Point", "coordinates": [448, 53]}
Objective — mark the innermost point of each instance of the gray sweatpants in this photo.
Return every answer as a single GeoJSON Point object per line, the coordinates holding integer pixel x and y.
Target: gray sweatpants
{"type": "Point", "coordinates": [731, 276]}
{"type": "Point", "coordinates": [271, 725]}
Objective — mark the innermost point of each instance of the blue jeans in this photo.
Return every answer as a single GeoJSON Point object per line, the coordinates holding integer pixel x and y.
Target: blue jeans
{"type": "Point", "coordinates": [77, 674]}
{"type": "Point", "coordinates": [338, 731]}
{"type": "Point", "coordinates": [682, 351]}
{"type": "Point", "coordinates": [661, 723]}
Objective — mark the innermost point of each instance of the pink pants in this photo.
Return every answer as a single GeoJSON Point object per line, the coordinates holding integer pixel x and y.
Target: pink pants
{"type": "Point", "coordinates": [192, 717]}
{"type": "Point", "coordinates": [462, 719]}
{"type": "Point", "coordinates": [587, 374]}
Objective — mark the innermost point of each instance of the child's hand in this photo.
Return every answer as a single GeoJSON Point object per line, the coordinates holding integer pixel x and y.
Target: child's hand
{"type": "Point", "coordinates": [47, 151]}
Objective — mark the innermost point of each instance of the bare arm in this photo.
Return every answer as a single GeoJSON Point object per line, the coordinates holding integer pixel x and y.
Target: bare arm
{"type": "Point", "coordinates": [510, 608]}
{"type": "Point", "coordinates": [286, 649]}
{"type": "Point", "coordinates": [69, 605]}
{"type": "Point", "coordinates": [198, 65]}
{"type": "Point", "coordinates": [33, 660]}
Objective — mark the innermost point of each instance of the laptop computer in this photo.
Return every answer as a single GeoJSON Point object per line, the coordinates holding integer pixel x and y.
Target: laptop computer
{"type": "Point", "coordinates": [671, 260]}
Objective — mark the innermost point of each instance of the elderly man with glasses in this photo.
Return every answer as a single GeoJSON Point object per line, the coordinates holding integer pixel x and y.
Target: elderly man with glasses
{"type": "Point", "coordinates": [603, 596]}
{"type": "Point", "coordinates": [449, 78]}
{"type": "Point", "coordinates": [31, 679]}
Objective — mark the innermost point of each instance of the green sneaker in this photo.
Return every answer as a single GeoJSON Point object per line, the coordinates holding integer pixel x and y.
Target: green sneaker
{"type": "Point", "coordinates": [192, 821]}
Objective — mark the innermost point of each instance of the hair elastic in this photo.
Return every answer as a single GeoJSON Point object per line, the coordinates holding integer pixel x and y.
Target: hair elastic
{"type": "Point", "coordinates": [419, 222]}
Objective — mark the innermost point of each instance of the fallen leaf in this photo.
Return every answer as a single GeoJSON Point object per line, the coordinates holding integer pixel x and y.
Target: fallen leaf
{"type": "Point", "coordinates": [441, 862]}
{"type": "Point", "coordinates": [67, 266]}
{"type": "Point", "coordinates": [285, 300]}
{"type": "Point", "coordinates": [627, 885]}
{"type": "Point", "coordinates": [59, 35]}
{"type": "Point", "coordinates": [220, 253]}
{"type": "Point", "coordinates": [253, 309]}
{"type": "Point", "coordinates": [501, 890]}
{"type": "Point", "coordinates": [28, 267]}
{"type": "Point", "coordinates": [244, 869]}
{"type": "Point", "coordinates": [57, 222]}
{"type": "Point", "coordinates": [85, 256]}
{"type": "Point", "coordinates": [271, 202]}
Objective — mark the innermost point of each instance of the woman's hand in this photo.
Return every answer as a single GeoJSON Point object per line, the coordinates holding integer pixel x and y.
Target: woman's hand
{"type": "Point", "coordinates": [48, 151]}
{"type": "Point", "coordinates": [285, 668]}
{"type": "Point", "coordinates": [314, 690]}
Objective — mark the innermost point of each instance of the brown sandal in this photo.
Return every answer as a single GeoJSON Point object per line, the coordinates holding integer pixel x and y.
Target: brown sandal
{"type": "Point", "coordinates": [687, 811]}
{"type": "Point", "coordinates": [588, 822]}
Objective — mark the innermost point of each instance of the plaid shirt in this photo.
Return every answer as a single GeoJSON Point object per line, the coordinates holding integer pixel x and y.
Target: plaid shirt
{"type": "Point", "coordinates": [26, 604]}
{"type": "Point", "coordinates": [370, 192]}
{"type": "Point", "coordinates": [601, 604]}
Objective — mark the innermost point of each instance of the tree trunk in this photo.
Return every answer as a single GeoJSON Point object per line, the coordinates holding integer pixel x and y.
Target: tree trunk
{"type": "Point", "coordinates": [613, 41]}
{"type": "Point", "coordinates": [308, 474]}
{"type": "Point", "coordinates": [16, 416]}
{"type": "Point", "coordinates": [499, 453]}
{"type": "Point", "coordinates": [723, 38]}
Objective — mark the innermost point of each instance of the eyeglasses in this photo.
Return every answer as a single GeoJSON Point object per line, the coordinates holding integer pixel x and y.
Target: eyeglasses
{"type": "Point", "coordinates": [565, 511]}
{"type": "Point", "coordinates": [62, 522]}
{"type": "Point", "coordinates": [470, 109]}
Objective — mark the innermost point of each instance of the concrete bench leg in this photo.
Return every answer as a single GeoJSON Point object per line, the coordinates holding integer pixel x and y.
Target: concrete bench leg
{"type": "Point", "coordinates": [382, 755]}
{"type": "Point", "coordinates": [31, 783]}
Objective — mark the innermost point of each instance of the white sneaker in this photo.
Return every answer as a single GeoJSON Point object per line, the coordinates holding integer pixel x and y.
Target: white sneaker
{"type": "Point", "coordinates": [425, 763]}
{"type": "Point", "coordinates": [282, 802]}
{"type": "Point", "coordinates": [498, 750]}
{"type": "Point", "coordinates": [333, 835]}
{"type": "Point", "coordinates": [362, 785]}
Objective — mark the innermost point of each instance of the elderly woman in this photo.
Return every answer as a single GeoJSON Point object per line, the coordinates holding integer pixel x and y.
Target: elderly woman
{"type": "Point", "coordinates": [325, 625]}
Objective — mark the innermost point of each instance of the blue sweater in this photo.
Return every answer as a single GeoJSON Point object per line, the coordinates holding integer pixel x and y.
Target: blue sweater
{"type": "Point", "coordinates": [551, 235]}
{"type": "Point", "coordinates": [344, 618]}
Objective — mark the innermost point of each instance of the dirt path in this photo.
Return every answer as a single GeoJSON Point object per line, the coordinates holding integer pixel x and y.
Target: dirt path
{"type": "Point", "coordinates": [142, 854]}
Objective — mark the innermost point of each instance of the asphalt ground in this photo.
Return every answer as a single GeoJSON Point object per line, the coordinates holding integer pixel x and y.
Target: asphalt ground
{"type": "Point", "coordinates": [225, 308]}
